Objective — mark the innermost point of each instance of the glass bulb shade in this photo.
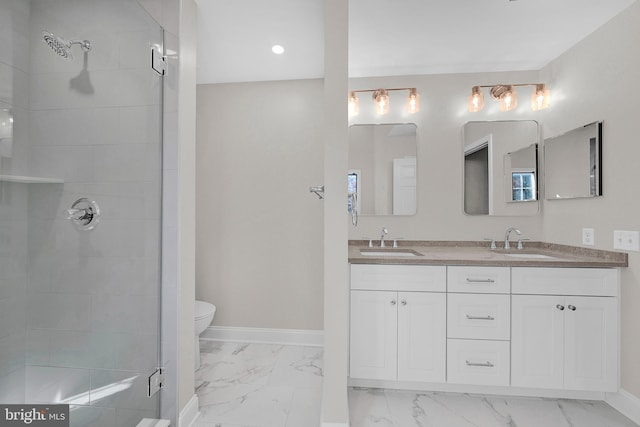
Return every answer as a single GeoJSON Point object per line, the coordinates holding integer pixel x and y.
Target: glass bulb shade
{"type": "Point", "coordinates": [413, 102]}
{"type": "Point", "coordinates": [508, 100]}
{"type": "Point", "coordinates": [540, 99]}
{"type": "Point", "coordinates": [476, 100]}
{"type": "Point", "coordinates": [354, 104]}
{"type": "Point", "coordinates": [381, 98]}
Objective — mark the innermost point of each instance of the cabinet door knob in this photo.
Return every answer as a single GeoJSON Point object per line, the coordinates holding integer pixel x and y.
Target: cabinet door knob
{"type": "Point", "coordinates": [572, 307]}
{"type": "Point", "coordinates": [560, 307]}
{"type": "Point", "coordinates": [403, 302]}
{"type": "Point", "coordinates": [393, 302]}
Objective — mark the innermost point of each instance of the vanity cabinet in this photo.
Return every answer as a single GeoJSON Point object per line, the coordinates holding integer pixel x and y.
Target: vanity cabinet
{"type": "Point", "coordinates": [478, 325]}
{"type": "Point", "coordinates": [398, 323]}
{"type": "Point", "coordinates": [529, 327]}
{"type": "Point", "coordinates": [565, 328]}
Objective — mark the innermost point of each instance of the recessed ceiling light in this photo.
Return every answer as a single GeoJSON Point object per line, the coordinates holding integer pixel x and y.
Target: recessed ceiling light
{"type": "Point", "coordinates": [277, 49]}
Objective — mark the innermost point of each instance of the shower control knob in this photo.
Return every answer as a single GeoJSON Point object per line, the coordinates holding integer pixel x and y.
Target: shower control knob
{"type": "Point", "coordinates": [84, 214]}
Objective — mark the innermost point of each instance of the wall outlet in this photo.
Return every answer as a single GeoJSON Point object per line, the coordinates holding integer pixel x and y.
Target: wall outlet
{"type": "Point", "coordinates": [588, 236]}
{"type": "Point", "coordinates": [626, 240]}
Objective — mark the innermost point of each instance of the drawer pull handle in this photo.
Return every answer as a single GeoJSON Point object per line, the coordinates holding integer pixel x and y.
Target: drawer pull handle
{"type": "Point", "coordinates": [572, 307]}
{"type": "Point", "coordinates": [482, 365]}
{"type": "Point", "coordinates": [480, 317]}
{"type": "Point", "coordinates": [480, 280]}
{"type": "Point", "coordinates": [393, 302]}
{"type": "Point", "coordinates": [560, 307]}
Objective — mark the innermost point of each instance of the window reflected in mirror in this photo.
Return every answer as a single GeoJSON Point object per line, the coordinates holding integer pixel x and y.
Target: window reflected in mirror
{"type": "Point", "coordinates": [500, 168]}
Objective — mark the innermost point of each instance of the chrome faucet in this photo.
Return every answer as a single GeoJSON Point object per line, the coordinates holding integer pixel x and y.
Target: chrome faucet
{"type": "Point", "coordinates": [506, 236]}
{"type": "Point", "coordinates": [384, 231]}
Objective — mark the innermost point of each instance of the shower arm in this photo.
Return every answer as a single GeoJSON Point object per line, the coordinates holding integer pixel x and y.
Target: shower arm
{"type": "Point", "coordinates": [85, 44]}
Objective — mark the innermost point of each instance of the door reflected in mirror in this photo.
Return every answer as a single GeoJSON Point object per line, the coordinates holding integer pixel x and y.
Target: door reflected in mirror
{"type": "Point", "coordinates": [500, 167]}
{"type": "Point", "coordinates": [573, 163]}
{"type": "Point", "coordinates": [383, 168]}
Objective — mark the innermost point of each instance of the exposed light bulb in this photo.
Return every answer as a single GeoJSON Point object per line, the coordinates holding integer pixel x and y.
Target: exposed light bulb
{"type": "Point", "coordinates": [381, 99]}
{"type": "Point", "coordinates": [540, 99]}
{"type": "Point", "coordinates": [508, 100]}
{"type": "Point", "coordinates": [476, 100]}
{"type": "Point", "coordinates": [354, 104]}
{"type": "Point", "coordinates": [277, 49]}
{"type": "Point", "coordinates": [413, 101]}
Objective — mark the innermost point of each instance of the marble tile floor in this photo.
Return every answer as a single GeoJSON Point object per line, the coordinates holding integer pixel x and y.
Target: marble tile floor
{"type": "Point", "coordinates": [395, 408]}
{"type": "Point", "coordinates": [265, 385]}
{"type": "Point", "coordinates": [259, 385]}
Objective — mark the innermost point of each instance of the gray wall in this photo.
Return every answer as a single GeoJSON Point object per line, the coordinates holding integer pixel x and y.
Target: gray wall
{"type": "Point", "coordinates": [598, 80]}
{"type": "Point", "coordinates": [259, 245]}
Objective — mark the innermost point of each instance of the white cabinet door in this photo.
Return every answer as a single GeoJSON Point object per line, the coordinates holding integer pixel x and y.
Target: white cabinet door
{"type": "Point", "coordinates": [537, 341]}
{"type": "Point", "coordinates": [422, 336]}
{"type": "Point", "coordinates": [374, 326]}
{"type": "Point", "coordinates": [591, 343]}
{"type": "Point", "coordinates": [565, 342]}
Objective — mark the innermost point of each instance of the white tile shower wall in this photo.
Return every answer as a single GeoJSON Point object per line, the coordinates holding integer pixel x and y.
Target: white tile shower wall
{"type": "Point", "coordinates": [14, 80]}
{"type": "Point", "coordinates": [14, 24]}
{"type": "Point", "coordinates": [13, 280]}
{"type": "Point", "coordinates": [94, 297]}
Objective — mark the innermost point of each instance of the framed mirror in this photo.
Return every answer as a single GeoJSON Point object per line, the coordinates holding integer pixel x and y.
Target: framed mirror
{"type": "Point", "coordinates": [500, 168]}
{"type": "Point", "coordinates": [383, 168]}
{"type": "Point", "coordinates": [573, 163]}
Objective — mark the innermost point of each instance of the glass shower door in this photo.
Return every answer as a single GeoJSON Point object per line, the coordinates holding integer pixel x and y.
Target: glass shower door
{"type": "Point", "coordinates": [80, 215]}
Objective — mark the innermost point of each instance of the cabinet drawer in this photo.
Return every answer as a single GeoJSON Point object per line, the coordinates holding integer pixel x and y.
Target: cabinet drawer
{"type": "Point", "coordinates": [478, 316]}
{"type": "Point", "coordinates": [399, 277]}
{"type": "Point", "coordinates": [478, 362]}
{"type": "Point", "coordinates": [565, 281]}
{"type": "Point", "coordinates": [493, 280]}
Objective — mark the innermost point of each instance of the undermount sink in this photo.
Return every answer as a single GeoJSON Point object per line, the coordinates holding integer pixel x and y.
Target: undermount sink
{"type": "Point", "coordinates": [529, 256]}
{"type": "Point", "coordinates": [389, 252]}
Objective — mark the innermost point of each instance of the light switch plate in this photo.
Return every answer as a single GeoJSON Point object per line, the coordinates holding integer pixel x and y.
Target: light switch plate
{"type": "Point", "coordinates": [588, 236]}
{"type": "Point", "coordinates": [626, 240]}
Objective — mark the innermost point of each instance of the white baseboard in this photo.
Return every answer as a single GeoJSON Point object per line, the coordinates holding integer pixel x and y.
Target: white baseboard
{"type": "Point", "coordinates": [625, 403]}
{"type": "Point", "coordinates": [477, 389]}
{"type": "Point", "coordinates": [152, 422]}
{"type": "Point", "coordinates": [334, 425]}
{"type": "Point", "coordinates": [190, 413]}
{"type": "Point", "coordinates": [303, 337]}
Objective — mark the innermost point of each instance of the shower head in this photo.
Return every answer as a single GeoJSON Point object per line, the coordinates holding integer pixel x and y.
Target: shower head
{"type": "Point", "coordinates": [63, 47]}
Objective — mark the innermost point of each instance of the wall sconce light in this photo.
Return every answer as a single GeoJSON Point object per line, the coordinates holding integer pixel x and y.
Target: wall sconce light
{"type": "Point", "coordinates": [381, 100]}
{"type": "Point", "coordinates": [508, 98]}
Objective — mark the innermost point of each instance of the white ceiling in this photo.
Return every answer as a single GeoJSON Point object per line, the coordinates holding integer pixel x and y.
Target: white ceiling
{"type": "Point", "coordinates": [391, 37]}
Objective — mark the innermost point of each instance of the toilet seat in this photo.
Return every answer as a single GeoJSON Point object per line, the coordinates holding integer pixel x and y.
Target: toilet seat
{"type": "Point", "coordinates": [203, 309]}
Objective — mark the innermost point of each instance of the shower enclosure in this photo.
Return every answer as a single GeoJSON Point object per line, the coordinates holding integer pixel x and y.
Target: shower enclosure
{"type": "Point", "coordinates": [80, 207]}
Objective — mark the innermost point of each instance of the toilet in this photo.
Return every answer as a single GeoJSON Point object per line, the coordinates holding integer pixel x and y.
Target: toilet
{"type": "Point", "coordinates": [203, 316]}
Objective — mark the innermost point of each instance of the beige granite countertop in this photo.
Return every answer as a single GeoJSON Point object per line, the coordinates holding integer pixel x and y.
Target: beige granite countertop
{"type": "Point", "coordinates": [478, 253]}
